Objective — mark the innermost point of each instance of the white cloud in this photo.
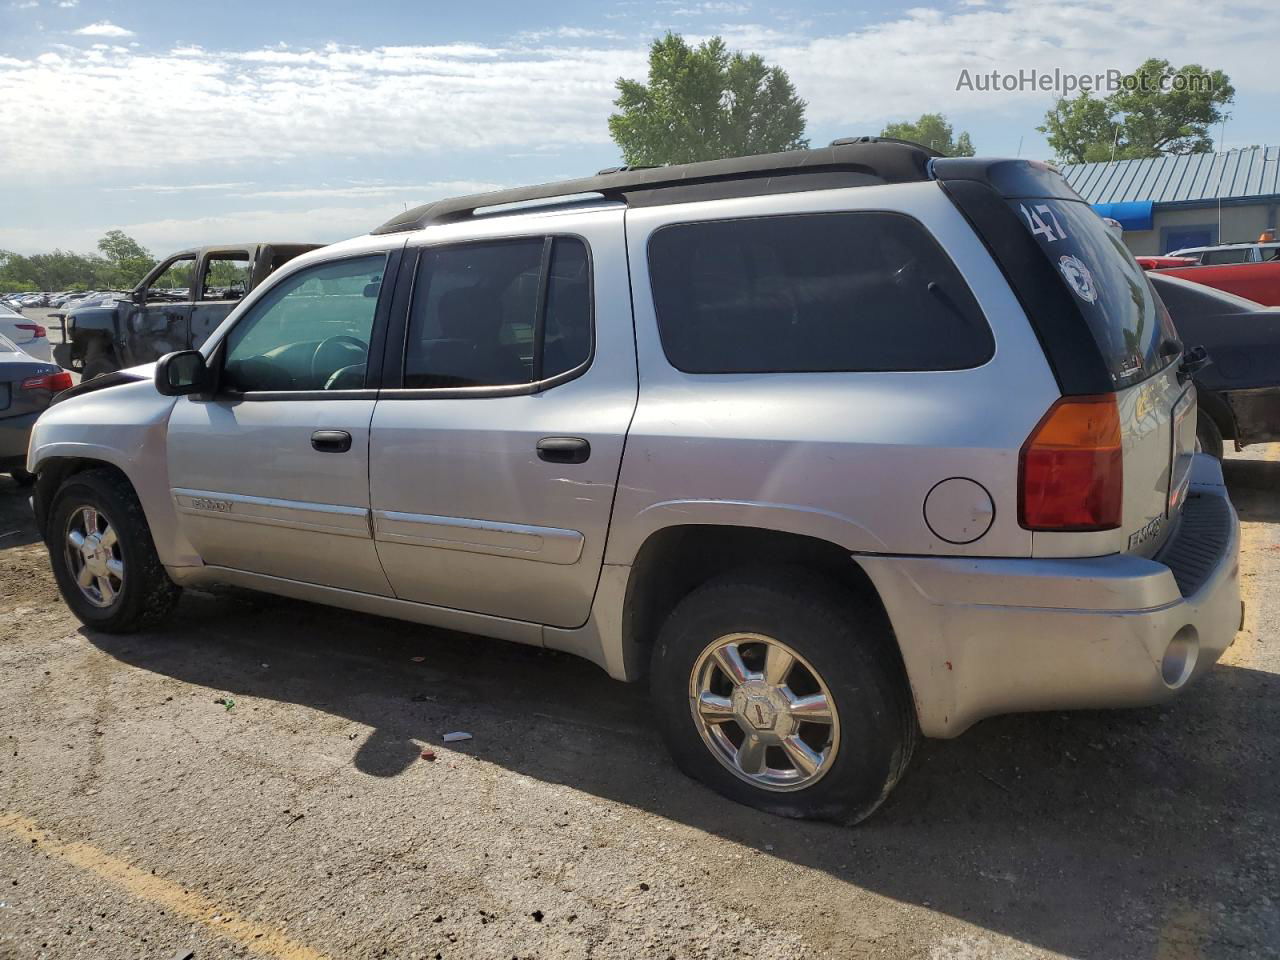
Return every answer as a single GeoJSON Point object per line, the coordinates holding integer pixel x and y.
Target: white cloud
{"type": "Point", "coordinates": [569, 33]}
{"type": "Point", "coordinates": [910, 65]}
{"type": "Point", "coordinates": [325, 223]}
{"type": "Point", "coordinates": [440, 188]}
{"type": "Point", "coordinates": [180, 187]}
{"type": "Point", "coordinates": [68, 4]}
{"type": "Point", "coordinates": [280, 215]}
{"type": "Point", "coordinates": [103, 28]}
{"type": "Point", "coordinates": [277, 104]}
{"type": "Point", "coordinates": [112, 110]}
{"type": "Point", "coordinates": [710, 7]}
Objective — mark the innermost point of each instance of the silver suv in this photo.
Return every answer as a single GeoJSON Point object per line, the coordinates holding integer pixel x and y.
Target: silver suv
{"type": "Point", "coordinates": [835, 447]}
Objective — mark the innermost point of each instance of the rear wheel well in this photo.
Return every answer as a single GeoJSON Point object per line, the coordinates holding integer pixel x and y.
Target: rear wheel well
{"type": "Point", "coordinates": [53, 473]}
{"type": "Point", "coordinates": [89, 345]}
{"type": "Point", "coordinates": [1213, 406]}
{"type": "Point", "coordinates": [675, 561]}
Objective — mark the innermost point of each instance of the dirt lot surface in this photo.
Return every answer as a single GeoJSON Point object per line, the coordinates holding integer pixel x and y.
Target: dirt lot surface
{"type": "Point", "coordinates": [141, 817]}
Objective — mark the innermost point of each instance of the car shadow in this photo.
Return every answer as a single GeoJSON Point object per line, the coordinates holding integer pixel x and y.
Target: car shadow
{"type": "Point", "coordinates": [1254, 487]}
{"type": "Point", "coordinates": [17, 526]}
{"type": "Point", "coordinates": [1026, 826]}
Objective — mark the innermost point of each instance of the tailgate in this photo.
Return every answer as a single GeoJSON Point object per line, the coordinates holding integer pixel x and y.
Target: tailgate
{"type": "Point", "coordinates": [1158, 431]}
{"type": "Point", "coordinates": [1124, 333]}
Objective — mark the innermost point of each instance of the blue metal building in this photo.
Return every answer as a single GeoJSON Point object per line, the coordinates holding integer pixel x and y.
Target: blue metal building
{"type": "Point", "coordinates": [1166, 203]}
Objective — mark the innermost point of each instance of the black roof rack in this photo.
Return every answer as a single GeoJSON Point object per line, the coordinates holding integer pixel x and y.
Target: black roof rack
{"type": "Point", "coordinates": [856, 161]}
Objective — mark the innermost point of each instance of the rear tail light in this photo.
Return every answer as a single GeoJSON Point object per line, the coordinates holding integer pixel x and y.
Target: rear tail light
{"type": "Point", "coordinates": [37, 331]}
{"type": "Point", "coordinates": [53, 382]}
{"type": "Point", "coordinates": [1071, 469]}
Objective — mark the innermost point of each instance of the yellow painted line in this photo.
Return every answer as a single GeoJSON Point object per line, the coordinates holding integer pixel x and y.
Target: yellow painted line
{"type": "Point", "coordinates": [227, 924]}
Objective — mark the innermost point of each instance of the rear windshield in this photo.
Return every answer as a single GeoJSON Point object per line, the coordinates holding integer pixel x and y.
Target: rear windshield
{"type": "Point", "coordinates": [859, 291]}
{"type": "Point", "coordinates": [1125, 317]}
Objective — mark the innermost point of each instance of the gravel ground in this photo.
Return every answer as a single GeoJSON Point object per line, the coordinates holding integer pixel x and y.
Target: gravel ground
{"type": "Point", "coordinates": [140, 817]}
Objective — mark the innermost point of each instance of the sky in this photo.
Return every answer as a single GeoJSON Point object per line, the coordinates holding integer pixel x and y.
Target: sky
{"type": "Point", "coordinates": [187, 124]}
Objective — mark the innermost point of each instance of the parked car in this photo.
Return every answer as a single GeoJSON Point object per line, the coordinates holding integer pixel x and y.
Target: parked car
{"type": "Point", "coordinates": [1156, 263]}
{"type": "Point", "coordinates": [1257, 281]}
{"type": "Point", "coordinates": [27, 385]}
{"type": "Point", "coordinates": [30, 337]}
{"type": "Point", "coordinates": [1221, 254]}
{"type": "Point", "coordinates": [836, 447]}
{"type": "Point", "coordinates": [1239, 391]}
{"type": "Point", "coordinates": [168, 311]}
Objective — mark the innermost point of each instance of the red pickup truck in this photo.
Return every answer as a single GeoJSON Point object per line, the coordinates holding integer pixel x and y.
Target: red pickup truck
{"type": "Point", "coordinates": [1259, 282]}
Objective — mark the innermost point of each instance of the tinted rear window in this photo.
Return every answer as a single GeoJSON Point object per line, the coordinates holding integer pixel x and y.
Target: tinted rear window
{"type": "Point", "coordinates": [860, 291]}
{"type": "Point", "coordinates": [1213, 257]}
{"type": "Point", "coordinates": [1106, 284]}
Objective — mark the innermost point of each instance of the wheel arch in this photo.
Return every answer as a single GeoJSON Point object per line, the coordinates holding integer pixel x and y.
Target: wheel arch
{"type": "Point", "coordinates": [53, 471]}
{"type": "Point", "coordinates": [675, 560]}
{"type": "Point", "coordinates": [1213, 405]}
{"type": "Point", "coordinates": [59, 462]}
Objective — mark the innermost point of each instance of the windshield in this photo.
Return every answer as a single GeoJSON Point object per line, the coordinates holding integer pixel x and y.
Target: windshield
{"type": "Point", "coordinates": [1127, 320]}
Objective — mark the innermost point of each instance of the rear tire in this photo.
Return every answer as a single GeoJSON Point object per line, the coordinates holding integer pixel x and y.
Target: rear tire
{"type": "Point", "coordinates": [1208, 436]}
{"type": "Point", "coordinates": [103, 557]}
{"type": "Point", "coordinates": [842, 652]}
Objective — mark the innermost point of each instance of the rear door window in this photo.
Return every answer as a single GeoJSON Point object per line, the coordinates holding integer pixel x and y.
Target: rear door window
{"type": "Point", "coordinates": [499, 313]}
{"type": "Point", "coordinates": [858, 291]}
{"type": "Point", "coordinates": [1126, 319]}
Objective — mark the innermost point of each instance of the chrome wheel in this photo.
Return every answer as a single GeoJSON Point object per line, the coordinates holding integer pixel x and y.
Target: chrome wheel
{"type": "Point", "coordinates": [93, 556]}
{"type": "Point", "coordinates": [764, 712]}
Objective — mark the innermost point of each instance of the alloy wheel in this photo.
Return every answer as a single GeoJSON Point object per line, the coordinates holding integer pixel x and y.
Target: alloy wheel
{"type": "Point", "coordinates": [93, 556]}
{"type": "Point", "coordinates": [764, 712]}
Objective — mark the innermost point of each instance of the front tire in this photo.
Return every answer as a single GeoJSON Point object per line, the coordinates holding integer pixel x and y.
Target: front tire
{"type": "Point", "coordinates": [103, 557]}
{"type": "Point", "coordinates": [785, 692]}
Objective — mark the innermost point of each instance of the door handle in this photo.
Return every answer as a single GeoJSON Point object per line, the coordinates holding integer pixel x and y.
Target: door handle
{"type": "Point", "coordinates": [331, 441]}
{"type": "Point", "coordinates": [563, 450]}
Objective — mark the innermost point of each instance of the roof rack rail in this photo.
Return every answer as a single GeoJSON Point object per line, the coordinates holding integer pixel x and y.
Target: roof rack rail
{"type": "Point", "coordinates": [859, 161]}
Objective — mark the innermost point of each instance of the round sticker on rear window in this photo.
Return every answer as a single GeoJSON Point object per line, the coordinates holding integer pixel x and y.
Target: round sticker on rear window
{"type": "Point", "coordinates": [1079, 277]}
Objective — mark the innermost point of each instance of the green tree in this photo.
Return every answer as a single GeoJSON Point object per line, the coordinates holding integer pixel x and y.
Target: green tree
{"type": "Point", "coordinates": [128, 261]}
{"type": "Point", "coordinates": [1157, 110]}
{"type": "Point", "coordinates": [932, 130]}
{"type": "Point", "coordinates": [705, 103]}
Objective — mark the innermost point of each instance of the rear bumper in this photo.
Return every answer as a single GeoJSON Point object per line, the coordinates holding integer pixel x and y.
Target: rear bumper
{"type": "Point", "coordinates": [988, 636]}
{"type": "Point", "coordinates": [15, 434]}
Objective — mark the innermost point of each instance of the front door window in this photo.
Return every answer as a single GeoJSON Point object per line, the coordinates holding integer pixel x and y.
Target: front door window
{"type": "Point", "coordinates": [311, 331]}
{"type": "Point", "coordinates": [174, 283]}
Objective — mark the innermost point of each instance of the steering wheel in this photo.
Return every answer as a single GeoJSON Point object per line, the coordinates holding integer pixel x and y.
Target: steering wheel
{"type": "Point", "coordinates": [321, 370]}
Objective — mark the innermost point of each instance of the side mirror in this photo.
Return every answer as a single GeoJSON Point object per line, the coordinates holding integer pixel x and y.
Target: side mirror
{"type": "Point", "coordinates": [182, 373]}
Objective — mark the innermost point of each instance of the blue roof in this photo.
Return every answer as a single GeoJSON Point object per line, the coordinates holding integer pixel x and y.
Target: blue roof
{"type": "Point", "coordinates": [1238, 174]}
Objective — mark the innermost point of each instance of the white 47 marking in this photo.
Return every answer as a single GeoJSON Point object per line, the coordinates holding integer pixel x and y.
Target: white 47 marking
{"type": "Point", "coordinates": [1038, 227]}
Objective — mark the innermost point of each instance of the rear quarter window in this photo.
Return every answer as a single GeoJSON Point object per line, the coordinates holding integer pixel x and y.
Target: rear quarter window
{"type": "Point", "coordinates": [865, 291]}
{"type": "Point", "coordinates": [1127, 321]}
